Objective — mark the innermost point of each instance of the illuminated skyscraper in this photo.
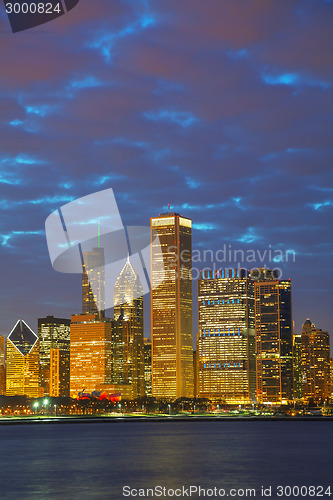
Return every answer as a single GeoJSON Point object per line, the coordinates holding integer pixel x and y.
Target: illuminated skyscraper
{"type": "Point", "coordinates": [315, 363]}
{"type": "Point", "coordinates": [93, 282]}
{"type": "Point", "coordinates": [22, 375]}
{"type": "Point", "coordinates": [297, 367]}
{"type": "Point", "coordinates": [147, 345]}
{"type": "Point", "coordinates": [225, 348]}
{"type": "Point", "coordinates": [171, 306]}
{"type": "Point", "coordinates": [331, 372]}
{"type": "Point", "coordinates": [128, 315]}
{"type": "Point", "coordinates": [53, 334]}
{"type": "Point", "coordinates": [2, 366]}
{"type": "Point", "coordinates": [90, 353]}
{"type": "Point", "coordinates": [59, 372]}
{"type": "Point", "coordinates": [331, 376]}
{"type": "Point", "coordinates": [273, 326]}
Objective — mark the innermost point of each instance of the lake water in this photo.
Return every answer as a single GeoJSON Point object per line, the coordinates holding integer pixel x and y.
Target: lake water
{"type": "Point", "coordinates": [93, 461]}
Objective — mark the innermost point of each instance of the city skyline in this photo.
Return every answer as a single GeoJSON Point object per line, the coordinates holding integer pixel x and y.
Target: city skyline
{"type": "Point", "coordinates": [204, 260]}
{"type": "Point", "coordinates": [221, 111]}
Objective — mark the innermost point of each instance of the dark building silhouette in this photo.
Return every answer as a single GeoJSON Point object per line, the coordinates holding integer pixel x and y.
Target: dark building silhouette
{"type": "Point", "coordinates": [274, 341]}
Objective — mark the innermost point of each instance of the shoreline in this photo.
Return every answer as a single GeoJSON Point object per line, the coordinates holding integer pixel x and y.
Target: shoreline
{"type": "Point", "coordinates": [66, 419]}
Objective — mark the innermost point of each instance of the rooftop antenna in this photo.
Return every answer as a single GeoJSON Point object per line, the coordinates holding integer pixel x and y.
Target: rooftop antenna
{"type": "Point", "coordinates": [99, 235]}
{"type": "Point", "coordinates": [168, 208]}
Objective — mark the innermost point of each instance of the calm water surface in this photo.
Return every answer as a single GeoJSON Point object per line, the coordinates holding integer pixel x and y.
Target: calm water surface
{"type": "Point", "coordinates": [93, 461]}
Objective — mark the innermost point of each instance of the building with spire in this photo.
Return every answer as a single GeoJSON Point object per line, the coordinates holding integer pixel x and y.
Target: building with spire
{"type": "Point", "coordinates": [171, 306]}
{"type": "Point", "coordinates": [93, 282]}
{"type": "Point", "coordinates": [128, 356]}
{"type": "Point", "coordinates": [22, 374]}
{"type": "Point", "coordinates": [315, 363]}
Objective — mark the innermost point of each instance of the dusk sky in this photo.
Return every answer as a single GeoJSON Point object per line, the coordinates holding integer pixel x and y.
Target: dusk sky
{"type": "Point", "coordinates": [222, 108]}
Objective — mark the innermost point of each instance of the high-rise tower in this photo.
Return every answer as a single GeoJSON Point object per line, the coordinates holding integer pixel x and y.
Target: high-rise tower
{"type": "Point", "coordinates": [315, 363]}
{"type": "Point", "coordinates": [171, 307]}
{"type": "Point", "coordinates": [53, 334]}
{"type": "Point", "coordinates": [90, 353]}
{"type": "Point", "coordinates": [2, 366]}
{"type": "Point", "coordinates": [225, 349]}
{"type": "Point", "coordinates": [93, 282]}
{"type": "Point", "coordinates": [128, 344]}
{"type": "Point", "coordinates": [22, 374]}
{"type": "Point", "coordinates": [274, 340]}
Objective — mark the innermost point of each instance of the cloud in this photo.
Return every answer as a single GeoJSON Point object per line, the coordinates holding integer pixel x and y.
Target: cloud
{"type": "Point", "coordinates": [7, 238]}
{"type": "Point", "coordinates": [182, 118]}
{"type": "Point", "coordinates": [293, 80]}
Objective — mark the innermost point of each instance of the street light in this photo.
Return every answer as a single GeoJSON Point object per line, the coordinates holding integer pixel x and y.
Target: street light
{"type": "Point", "coordinates": [36, 406]}
{"type": "Point", "coordinates": [55, 410]}
{"type": "Point", "coordinates": [169, 406]}
{"type": "Point", "coordinates": [46, 402]}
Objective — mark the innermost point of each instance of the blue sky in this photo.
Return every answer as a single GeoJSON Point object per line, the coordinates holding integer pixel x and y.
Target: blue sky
{"type": "Point", "coordinates": [222, 109]}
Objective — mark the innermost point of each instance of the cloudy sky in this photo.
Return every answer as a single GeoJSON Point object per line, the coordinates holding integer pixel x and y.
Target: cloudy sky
{"type": "Point", "coordinates": [222, 108]}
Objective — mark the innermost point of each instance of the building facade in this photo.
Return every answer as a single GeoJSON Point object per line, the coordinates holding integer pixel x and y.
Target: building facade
{"type": "Point", "coordinates": [147, 347]}
{"type": "Point", "coordinates": [90, 353]}
{"type": "Point", "coordinates": [93, 282]}
{"type": "Point", "coordinates": [297, 367]}
{"type": "Point", "coordinates": [128, 346]}
{"type": "Point", "coordinates": [59, 373]}
{"type": "Point", "coordinates": [315, 363]}
{"type": "Point", "coordinates": [273, 331]}
{"type": "Point", "coordinates": [225, 347]}
{"type": "Point", "coordinates": [171, 307]}
{"type": "Point", "coordinates": [53, 334]}
{"type": "Point", "coordinates": [2, 366]}
{"type": "Point", "coordinates": [22, 363]}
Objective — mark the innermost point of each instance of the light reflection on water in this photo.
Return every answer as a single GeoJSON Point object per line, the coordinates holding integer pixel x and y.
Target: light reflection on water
{"type": "Point", "coordinates": [92, 461]}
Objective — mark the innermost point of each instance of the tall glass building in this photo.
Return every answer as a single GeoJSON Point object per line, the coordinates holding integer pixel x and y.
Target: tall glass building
{"type": "Point", "coordinates": [274, 339]}
{"type": "Point", "coordinates": [54, 334]}
{"type": "Point", "coordinates": [93, 282]}
{"type": "Point", "coordinates": [90, 353]}
{"type": "Point", "coordinates": [225, 345]}
{"type": "Point", "coordinates": [22, 374]}
{"type": "Point", "coordinates": [171, 307]}
{"type": "Point", "coordinates": [128, 346]}
{"type": "Point", "coordinates": [315, 363]}
{"type": "Point", "coordinates": [2, 366]}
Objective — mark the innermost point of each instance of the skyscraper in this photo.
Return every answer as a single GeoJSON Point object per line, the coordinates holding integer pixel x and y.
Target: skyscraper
{"type": "Point", "coordinates": [297, 367]}
{"type": "Point", "coordinates": [59, 372]}
{"type": "Point", "coordinates": [225, 348]}
{"type": "Point", "coordinates": [273, 330]}
{"type": "Point", "coordinates": [2, 366]}
{"type": "Point", "coordinates": [315, 363]}
{"type": "Point", "coordinates": [90, 353]}
{"type": "Point", "coordinates": [128, 315]}
{"type": "Point", "coordinates": [22, 375]}
{"type": "Point", "coordinates": [53, 334]}
{"type": "Point", "coordinates": [147, 346]}
{"type": "Point", "coordinates": [171, 307]}
{"type": "Point", "coordinates": [93, 282]}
